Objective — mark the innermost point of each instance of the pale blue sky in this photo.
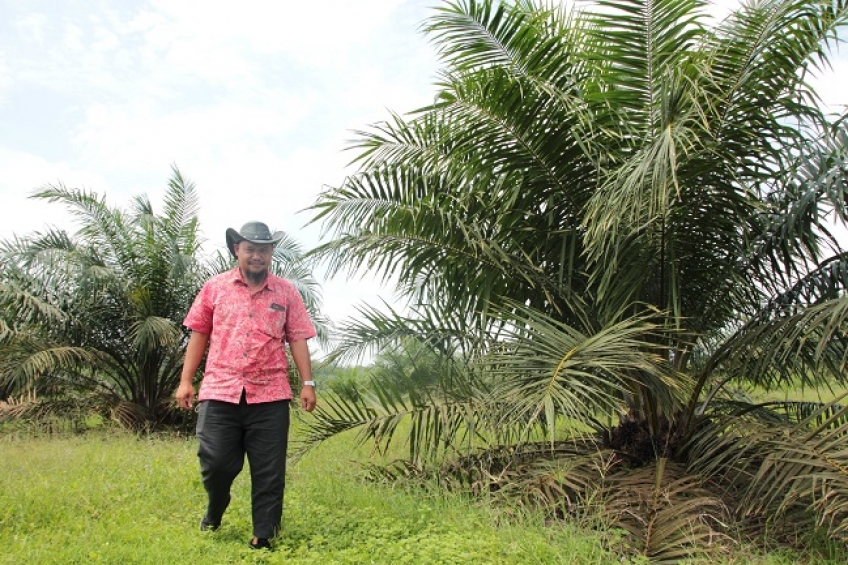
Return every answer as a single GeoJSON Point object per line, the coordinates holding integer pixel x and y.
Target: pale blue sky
{"type": "Point", "coordinates": [252, 100]}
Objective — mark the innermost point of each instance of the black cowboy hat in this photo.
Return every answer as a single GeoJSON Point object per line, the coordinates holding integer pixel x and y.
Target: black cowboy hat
{"type": "Point", "coordinates": [254, 232]}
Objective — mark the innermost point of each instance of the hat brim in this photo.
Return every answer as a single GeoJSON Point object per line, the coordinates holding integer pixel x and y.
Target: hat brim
{"type": "Point", "coordinates": [234, 237]}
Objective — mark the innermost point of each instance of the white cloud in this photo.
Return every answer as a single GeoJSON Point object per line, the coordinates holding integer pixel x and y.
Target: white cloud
{"type": "Point", "coordinates": [23, 174]}
{"type": "Point", "coordinates": [317, 33]}
{"type": "Point", "coordinates": [832, 84]}
{"type": "Point", "coordinates": [31, 26]}
{"type": "Point", "coordinates": [5, 77]}
{"type": "Point", "coordinates": [128, 137]}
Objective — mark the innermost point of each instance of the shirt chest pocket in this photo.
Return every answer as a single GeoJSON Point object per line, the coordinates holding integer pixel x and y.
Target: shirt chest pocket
{"type": "Point", "coordinates": [273, 321]}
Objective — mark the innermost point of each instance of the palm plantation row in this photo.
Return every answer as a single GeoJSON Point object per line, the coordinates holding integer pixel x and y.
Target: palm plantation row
{"type": "Point", "coordinates": [609, 223]}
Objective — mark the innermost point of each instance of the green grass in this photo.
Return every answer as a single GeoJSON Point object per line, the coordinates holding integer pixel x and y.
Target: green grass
{"type": "Point", "coordinates": [113, 498]}
{"type": "Point", "coordinates": [110, 497]}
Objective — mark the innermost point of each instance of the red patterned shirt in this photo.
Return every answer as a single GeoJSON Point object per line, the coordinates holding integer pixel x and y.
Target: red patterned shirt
{"type": "Point", "coordinates": [246, 335]}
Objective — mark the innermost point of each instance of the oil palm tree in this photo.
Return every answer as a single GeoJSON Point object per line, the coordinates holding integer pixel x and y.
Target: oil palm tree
{"type": "Point", "coordinates": [96, 318]}
{"type": "Point", "coordinates": [608, 217]}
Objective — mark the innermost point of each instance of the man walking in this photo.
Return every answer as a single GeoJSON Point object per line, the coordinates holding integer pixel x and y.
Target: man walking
{"type": "Point", "coordinates": [245, 316]}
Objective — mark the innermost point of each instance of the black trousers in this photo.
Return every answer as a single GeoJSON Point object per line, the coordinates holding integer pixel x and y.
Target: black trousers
{"type": "Point", "coordinates": [226, 432]}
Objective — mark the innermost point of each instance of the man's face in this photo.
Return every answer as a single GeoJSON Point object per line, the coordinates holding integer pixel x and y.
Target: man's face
{"type": "Point", "coordinates": [254, 258]}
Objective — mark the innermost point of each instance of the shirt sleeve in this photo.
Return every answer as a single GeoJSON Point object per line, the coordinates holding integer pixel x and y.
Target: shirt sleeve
{"type": "Point", "coordinates": [298, 324]}
{"type": "Point", "coordinates": [199, 317]}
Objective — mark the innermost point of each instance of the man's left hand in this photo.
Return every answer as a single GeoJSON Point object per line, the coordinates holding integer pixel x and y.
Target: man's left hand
{"type": "Point", "coordinates": [307, 398]}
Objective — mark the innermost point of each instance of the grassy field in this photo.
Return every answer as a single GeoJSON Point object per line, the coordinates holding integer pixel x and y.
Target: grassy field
{"type": "Point", "coordinates": [110, 497]}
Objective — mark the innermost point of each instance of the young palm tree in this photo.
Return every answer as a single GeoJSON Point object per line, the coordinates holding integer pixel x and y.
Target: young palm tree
{"type": "Point", "coordinates": [95, 318]}
{"type": "Point", "coordinates": [93, 321]}
{"type": "Point", "coordinates": [606, 218]}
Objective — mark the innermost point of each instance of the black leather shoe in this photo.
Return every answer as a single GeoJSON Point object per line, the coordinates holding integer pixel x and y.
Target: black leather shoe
{"type": "Point", "coordinates": [260, 543]}
{"type": "Point", "coordinates": [206, 526]}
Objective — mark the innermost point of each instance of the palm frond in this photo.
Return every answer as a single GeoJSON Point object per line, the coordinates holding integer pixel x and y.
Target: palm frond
{"type": "Point", "coordinates": [778, 469]}
{"type": "Point", "coordinates": [809, 346]}
{"type": "Point", "coordinates": [154, 332]}
{"type": "Point", "coordinates": [786, 235]}
{"type": "Point", "coordinates": [478, 34]}
{"type": "Point", "coordinates": [668, 513]}
{"type": "Point", "coordinates": [548, 370]}
{"type": "Point", "coordinates": [381, 412]}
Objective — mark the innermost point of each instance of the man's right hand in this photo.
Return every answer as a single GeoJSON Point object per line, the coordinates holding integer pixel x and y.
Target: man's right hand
{"type": "Point", "coordinates": [185, 396]}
